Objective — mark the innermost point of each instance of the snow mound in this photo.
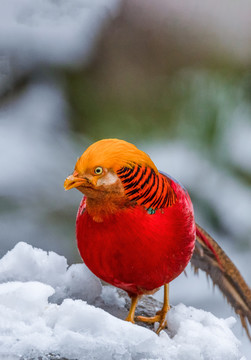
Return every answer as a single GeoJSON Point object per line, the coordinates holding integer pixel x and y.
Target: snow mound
{"type": "Point", "coordinates": [25, 263]}
{"type": "Point", "coordinates": [32, 326]}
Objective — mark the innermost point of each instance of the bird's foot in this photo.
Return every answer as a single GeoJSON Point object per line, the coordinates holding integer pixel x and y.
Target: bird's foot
{"type": "Point", "coordinates": [160, 317]}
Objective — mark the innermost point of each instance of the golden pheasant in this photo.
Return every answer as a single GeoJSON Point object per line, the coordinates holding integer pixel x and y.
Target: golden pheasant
{"type": "Point", "coordinates": [136, 230]}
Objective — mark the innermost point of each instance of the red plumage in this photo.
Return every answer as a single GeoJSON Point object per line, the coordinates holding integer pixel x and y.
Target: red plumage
{"type": "Point", "coordinates": [135, 250]}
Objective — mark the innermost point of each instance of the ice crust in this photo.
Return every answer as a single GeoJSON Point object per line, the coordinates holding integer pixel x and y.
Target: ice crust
{"type": "Point", "coordinates": [47, 308]}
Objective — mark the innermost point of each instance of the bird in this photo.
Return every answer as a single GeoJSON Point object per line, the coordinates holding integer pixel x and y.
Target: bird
{"type": "Point", "coordinates": [136, 230]}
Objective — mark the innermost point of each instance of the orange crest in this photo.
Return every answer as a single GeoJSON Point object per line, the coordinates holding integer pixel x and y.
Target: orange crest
{"type": "Point", "coordinates": [113, 154]}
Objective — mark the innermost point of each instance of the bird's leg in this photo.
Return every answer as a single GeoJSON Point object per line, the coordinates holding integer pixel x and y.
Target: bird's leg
{"type": "Point", "coordinates": [160, 316]}
{"type": "Point", "coordinates": [131, 314]}
{"type": "Point", "coordinates": [164, 310]}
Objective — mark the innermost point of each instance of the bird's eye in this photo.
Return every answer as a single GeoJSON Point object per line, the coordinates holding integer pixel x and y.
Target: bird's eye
{"type": "Point", "coordinates": [98, 170]}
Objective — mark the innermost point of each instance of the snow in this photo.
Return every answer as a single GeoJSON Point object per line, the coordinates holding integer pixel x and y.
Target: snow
{"type": "Point", "coordinates": [25, 263]}
{"type": "Point", "coordinates": [111, 298]}
{"type": "Point", "coordinates": [32, 325]}
{"type": "Point", "coordinates": [41, 298]}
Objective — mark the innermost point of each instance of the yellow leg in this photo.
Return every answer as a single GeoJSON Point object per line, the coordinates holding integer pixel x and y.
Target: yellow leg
{"type": "Point", "coordinates": [160, 316]}
{"type": "Point", "coordinates": [131, 314]}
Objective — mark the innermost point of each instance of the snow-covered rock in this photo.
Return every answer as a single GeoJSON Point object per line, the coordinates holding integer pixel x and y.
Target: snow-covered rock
{"type": "Point", "coordinates": [32, 325]}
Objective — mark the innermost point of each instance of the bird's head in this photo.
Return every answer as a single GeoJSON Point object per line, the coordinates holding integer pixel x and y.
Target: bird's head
{"type": "Point", "coordinates": [96, 171]}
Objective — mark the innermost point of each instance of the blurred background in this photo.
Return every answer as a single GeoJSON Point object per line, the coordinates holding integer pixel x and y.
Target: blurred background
{"type": "Point", "coordinates": [173, 77]}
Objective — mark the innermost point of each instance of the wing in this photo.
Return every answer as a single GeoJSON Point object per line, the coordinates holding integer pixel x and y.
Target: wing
{"type": "Point", "coordinates": [209, 257]}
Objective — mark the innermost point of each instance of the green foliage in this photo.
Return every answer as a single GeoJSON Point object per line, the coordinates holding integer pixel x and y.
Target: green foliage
{"type": "Point", "coordinates": [193, 105]}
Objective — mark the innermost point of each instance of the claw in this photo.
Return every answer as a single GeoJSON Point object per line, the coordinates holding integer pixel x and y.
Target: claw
{"type": "Point", "coordinates": [160, 316]}
{"type": "Point", "coordinates": [162, 326]}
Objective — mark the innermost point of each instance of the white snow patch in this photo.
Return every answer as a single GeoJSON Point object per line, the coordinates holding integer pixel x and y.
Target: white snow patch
{"type": "Point", "coordinates": [111, 298]}
{"type": "Point", "coordinates": [25, 263]}
{"type": "Point", "coordinates": [32, 326]}
{"type": "Point", "coordinates": [183, 321]}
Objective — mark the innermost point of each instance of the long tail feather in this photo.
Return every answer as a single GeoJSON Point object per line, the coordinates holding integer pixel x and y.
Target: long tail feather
{"type": "Point", "coordinates": [209, 257]}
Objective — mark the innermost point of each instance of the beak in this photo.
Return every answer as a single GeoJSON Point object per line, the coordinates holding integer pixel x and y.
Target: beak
{"type": "Point", "coordinates": [73, 181]}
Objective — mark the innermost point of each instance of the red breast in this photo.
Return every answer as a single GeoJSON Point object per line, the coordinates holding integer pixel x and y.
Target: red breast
{"type": "Point", "coordinates": [135, 250]}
